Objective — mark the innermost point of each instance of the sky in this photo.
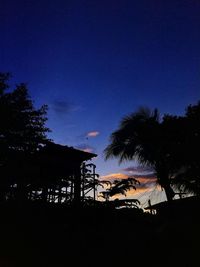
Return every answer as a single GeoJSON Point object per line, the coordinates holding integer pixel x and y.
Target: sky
{"type": "Point", "coordinates": [93, 62]}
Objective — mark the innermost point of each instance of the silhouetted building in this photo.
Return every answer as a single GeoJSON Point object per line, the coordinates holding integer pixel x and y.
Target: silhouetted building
{"type": "Point", "coordinates": [55, 173]}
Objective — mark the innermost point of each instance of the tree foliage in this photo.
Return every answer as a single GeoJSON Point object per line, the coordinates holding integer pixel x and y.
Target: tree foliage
{"type": "Point", "coordinates": [169, 145]}
{"type": "Point", "coordinates": [22, 127]}
{"type": "Point", "coordinates": [22, 130]}
{"type": "Point", "coordinates": [118, 187]}
{"type": "Point", "coordinates": [186, 154]}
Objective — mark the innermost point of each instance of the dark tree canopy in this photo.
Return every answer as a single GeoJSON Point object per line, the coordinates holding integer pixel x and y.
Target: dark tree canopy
{"type": "Point", "coordinates": [169, 145]}
{"type": "Point", "coordinates": [140, 137]}
{"type": "Point", "coordinates": [22, 127]}
{"type": "Point", "coordinates": [22, 132]}
{"type": "Point", "coordinates": [186, 152]}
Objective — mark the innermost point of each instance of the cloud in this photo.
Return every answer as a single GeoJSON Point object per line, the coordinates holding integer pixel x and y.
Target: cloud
{"type": "Point", "coordinates": [63, 107]}
{"type": "Point", "coordinates": [138, 169]}
{"type": "Point", "coordinates": [144, 180]}
{"type": "Point", "coordinates": [87, 135]}
{"type": "Point", "coordinates": [60, 106]}
{"type": "Point", "coordinates": [114, 176]}
{"type": "Point", "coordinates": [147, 176]}
{"type": "Point", "coordinates": [92, 134]}
{"type": "Point", "coordinates": [85, 148]}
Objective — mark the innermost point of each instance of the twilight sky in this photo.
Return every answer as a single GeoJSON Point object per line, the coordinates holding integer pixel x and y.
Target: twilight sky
{"type": "Point", "coordinates": [92, 62]}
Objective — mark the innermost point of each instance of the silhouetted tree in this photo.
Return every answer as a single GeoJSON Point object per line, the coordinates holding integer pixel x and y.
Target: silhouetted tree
{"type": "Point", "coordinates": [140, 137]}
{"type": "Point", "coordinates": [118, 187]}
{"type": "Point", "coordinates": [170, 146]}
{"type": "Point", "coordinates": [22, 126]}
{"type": "Point", "coordinates": [22, 129]}
{"type": "Point", "coordinates": [186, 147]}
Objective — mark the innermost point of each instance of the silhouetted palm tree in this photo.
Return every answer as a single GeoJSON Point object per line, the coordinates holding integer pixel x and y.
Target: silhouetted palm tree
{"type": "Point", "coordinates": [140, 137]}
{"type": "Point", "coordinates": [118, 187]}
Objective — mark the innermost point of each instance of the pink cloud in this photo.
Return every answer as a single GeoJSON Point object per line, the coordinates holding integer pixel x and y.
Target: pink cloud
{"type": "Point", "coordinates": [92, 134]}
{"type": "Point", "coordinates": [141, 178]}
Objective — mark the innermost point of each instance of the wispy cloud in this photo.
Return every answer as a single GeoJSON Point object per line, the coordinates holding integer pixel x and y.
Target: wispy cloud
{"type": "Point", "coordinates": [63, 107]}
{"type": "Point", "coordinates": [138, 169]}
{"type": "Point", "coordinates": [148, 176]}
{"type": "Point", "coordinates": [85, 148]}
{"type": "Point", "coordinates": [146, 179]}
{"type": "Point", "coordinates": [92, 134]}
{"type": "Point", "coordinates": [60, 106]}
{"type": "Point", "coordinates": [114, 176]}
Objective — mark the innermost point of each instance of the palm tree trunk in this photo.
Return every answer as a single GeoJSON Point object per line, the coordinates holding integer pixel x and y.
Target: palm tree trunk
{"type": "Point", "coordinates": [168, 191]}
{"type": "Point", "coordinates": [164, 180]}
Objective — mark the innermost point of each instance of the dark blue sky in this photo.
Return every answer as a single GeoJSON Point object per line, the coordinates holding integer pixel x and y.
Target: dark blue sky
{"type": "Point", "coordinates": [93, 62]}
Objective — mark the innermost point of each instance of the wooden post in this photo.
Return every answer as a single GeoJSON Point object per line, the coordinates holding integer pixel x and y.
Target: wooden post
{"type": "Point", "coordinates": [77, 187]}
{"type": "Point", "coordinates": [149, 202]}
{"type": "Point", "coordinates": [94, 188]}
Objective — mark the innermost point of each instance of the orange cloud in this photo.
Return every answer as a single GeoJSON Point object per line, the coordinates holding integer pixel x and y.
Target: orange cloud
{"type": "Point", "coordinates": [141, 179]}
{"type": "Point", "coordinates": [92, 134]}
{"type": "Point", "coordinates": [114, 176]}
{"type": "Point", "coordinates": [144, 179]}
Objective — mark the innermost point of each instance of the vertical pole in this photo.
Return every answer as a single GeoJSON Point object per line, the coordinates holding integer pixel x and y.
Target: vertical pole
{"type": "Point", "coordinates": [149, 202]}
{"type": "Point", "coordinates": [59, 193]}
{"type": "Point", "coordinates": [77, 187]}
{"type": "Point", "coordinates": [94, 183]}
{"type": "Point", "coordinates": [83, 181]}
{"type": "Point", "coordinates": [72, 188]}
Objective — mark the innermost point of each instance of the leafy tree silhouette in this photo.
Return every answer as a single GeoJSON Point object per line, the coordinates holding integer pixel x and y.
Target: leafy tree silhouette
{"type": "Point", "coordinates": [22, 131]}
{"type": "Point", "coordinates": [170, 146]}
{"type": "Point", "coordinates": [140, 137]}
{"type": "Point", "coordinates": [119, 187]}
{"type": "Point", "coordinates": [186, 146]}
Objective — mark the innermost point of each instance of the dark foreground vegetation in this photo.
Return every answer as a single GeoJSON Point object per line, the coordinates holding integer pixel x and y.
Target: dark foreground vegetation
{"type": "Point", "coordinates": [53, 235]}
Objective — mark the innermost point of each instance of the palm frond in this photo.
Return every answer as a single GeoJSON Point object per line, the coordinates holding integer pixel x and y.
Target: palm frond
{"type": "Point", "coordinates": [187, 181]}
{"type": "Point", "coordinates": [120, 187]}
{"type": "Point", "coordinates": [135, 138]}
